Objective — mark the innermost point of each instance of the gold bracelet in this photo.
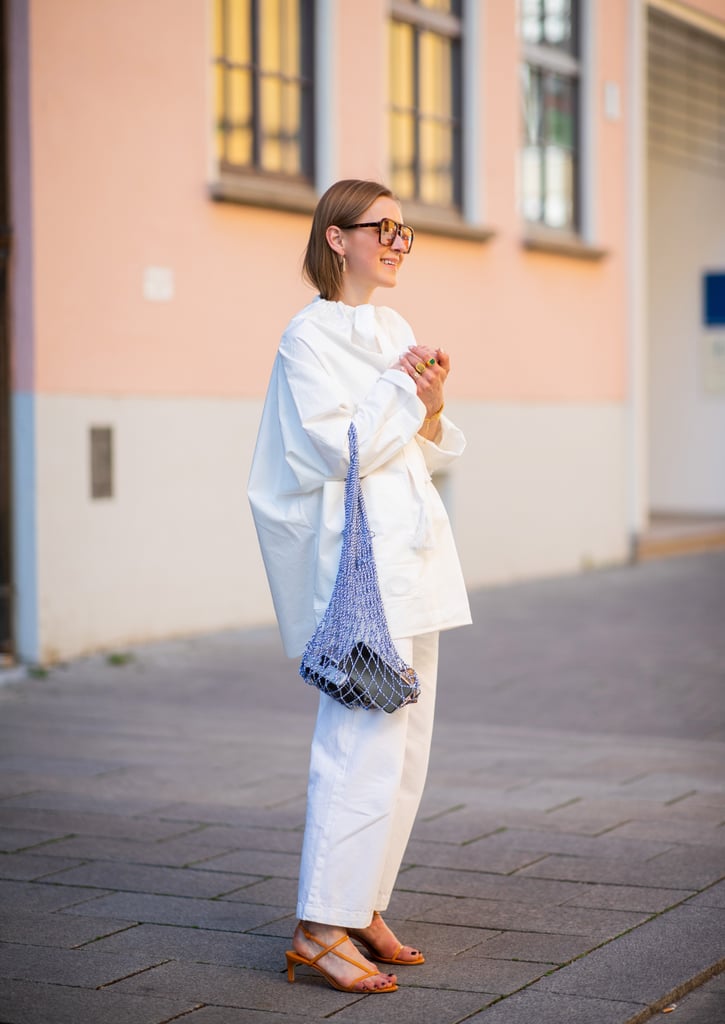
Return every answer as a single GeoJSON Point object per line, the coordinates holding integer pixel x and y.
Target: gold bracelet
{"type": "Point", "coordinates": [436, 415]}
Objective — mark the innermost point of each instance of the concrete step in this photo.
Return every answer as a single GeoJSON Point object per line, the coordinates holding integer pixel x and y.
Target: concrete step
{"type": "Point", "coordinates": [669, 535]}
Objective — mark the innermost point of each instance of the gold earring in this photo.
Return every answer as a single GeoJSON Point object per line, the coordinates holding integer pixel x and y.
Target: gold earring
{"type": "Point", "coordinates": [343, 264]}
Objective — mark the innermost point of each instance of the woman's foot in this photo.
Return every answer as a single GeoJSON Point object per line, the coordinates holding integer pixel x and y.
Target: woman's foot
{"type": "Point", "coordinates": [343, 972]}
{"type": "Point", "coordinates": [384, 945]}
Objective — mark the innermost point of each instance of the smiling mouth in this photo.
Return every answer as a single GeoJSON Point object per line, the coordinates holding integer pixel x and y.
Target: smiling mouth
{"type": "Point", "coordinates": [390, 263]}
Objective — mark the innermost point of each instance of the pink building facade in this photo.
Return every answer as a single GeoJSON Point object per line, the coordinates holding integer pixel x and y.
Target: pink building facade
{"type": "Point", "coordinates": [163, 158]}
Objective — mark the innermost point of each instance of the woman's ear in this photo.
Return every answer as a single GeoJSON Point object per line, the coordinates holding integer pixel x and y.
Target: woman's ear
{"type": "Point", "coordinates": [334, 239]}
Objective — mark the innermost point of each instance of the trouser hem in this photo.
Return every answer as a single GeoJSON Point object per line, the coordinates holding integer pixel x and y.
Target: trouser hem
{"type": "Point", "coordinates": [338, 916]}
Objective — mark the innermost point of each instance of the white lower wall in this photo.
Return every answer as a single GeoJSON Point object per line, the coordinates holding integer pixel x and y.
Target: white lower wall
{"type": "Point", "coordinates": [539, 491]}
{"type": "Point", "coordinates": [686, 420]}
{"type": "Point", "coordinates": [174, 550]}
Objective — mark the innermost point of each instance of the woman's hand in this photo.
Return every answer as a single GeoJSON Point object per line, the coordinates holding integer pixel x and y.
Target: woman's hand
{"type": "Point", "coordinates": [429, 369]}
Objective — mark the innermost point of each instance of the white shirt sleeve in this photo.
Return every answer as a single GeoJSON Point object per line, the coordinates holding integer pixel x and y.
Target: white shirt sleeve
{"type": "Point", "coordinates": [316, 409]}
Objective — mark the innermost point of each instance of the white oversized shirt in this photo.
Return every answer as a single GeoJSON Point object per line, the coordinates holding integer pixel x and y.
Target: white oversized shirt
{"type": "Point", "coordinates": [333, 366]}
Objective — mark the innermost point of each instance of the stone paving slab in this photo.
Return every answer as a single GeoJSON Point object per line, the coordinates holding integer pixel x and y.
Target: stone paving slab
{"type": "Point", "coordinates": [629, 897]}
{"type": "Point", "coordinates": [597, 925]}
{"type": "Point", "coordinates": [55, 929]}
{"type": "Point", "coordinates": [198, 945]}
{"type": "Point", "coordinates": [536, 947]}
{"type": "Point", "coordinates": [706, 1005]}
{"type": "Point", "coordinates": [27, 867]}
{"type": "Point", "coordinates": [93, 824]}
{"type": "Point", "coordinates": [85, 968]}
{"type": "Point", "coordinates": [28, 1003]}
{"type": "Point", "coordinates": [692, 869]}
{"type": "Point", "coordinates": [237, 987]}
{"type": "Point", "coordinates": [649, 961]}
{"type": "Point", "coordinates": [570, 838]}
{"type": "Point", "coordinates": [16, 839]}
{"type": "Point", "coordinates": [39, 896]}
{"type": "Point", "coordinates": [195, 913]}
{"type": "Point", "coordinates": [150, 879]}
{"type": "Point", "coordinates": [551, 1008]}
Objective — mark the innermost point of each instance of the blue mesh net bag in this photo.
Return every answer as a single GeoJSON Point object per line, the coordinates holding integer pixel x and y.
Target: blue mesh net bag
{"type": "Point", "coordinates": [351, 655]}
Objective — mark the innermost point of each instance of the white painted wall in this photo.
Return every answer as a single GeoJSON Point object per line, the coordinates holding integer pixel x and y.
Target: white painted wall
{"type": "Point", "coordinates": [686, 237]}
{"type": "Point", "coordinates": [539, 491]}
{"type": "Point", "coordinates": [174, 551]}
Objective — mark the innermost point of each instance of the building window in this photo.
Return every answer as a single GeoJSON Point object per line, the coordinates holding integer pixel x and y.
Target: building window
{"type": "Point", "coordinates": [425, 101]}
{"type": "Point", "coordinates": [551, 74]}
{"type": "Point", "coordinates": [263, 87]}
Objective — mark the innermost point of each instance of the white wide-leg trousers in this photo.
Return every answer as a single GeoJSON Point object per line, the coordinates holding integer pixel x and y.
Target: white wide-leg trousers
{"type": "Point", "coordinates": [367, 772]}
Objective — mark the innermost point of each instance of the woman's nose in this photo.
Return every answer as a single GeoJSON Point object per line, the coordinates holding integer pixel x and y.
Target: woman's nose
{"type": "Point", "coordinates": [398, 244]}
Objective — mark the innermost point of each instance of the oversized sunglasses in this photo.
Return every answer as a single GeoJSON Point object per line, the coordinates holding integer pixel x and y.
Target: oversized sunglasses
{"type": "Point", "coordinates": [387, 231]}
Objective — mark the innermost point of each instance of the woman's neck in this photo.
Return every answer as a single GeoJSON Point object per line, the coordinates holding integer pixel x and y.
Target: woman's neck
{"type": "Point", "coordinates": [353, 294]}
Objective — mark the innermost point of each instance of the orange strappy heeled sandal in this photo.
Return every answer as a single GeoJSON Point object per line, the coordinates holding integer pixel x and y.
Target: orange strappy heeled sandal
{"type": "Point", "coordinates": [356, 934]}
{"type": "Point", "coordinates": [295, 960]}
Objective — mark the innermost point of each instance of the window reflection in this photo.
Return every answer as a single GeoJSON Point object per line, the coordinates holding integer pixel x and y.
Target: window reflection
{"type": "Point", "coordinates": [549, 23]}
{"type": "Point", "coordinates": [425, 110]}
{"type": "Point", "coordinates": [263, 86]}
{"type": "Point", "coordinates": [549, 115]}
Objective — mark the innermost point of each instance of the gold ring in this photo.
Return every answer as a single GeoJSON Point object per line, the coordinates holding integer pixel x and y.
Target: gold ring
{"type": "Point", "coordinates": [431, 362]}
{"type": "Point", "coordinates": [420, 368]}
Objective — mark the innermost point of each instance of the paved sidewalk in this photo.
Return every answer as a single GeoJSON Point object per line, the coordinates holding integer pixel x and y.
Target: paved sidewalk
{"type": "Point", "coordinates": [566, 865]}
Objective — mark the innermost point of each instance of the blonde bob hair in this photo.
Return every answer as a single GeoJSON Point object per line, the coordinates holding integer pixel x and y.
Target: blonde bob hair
{"type": "Point", "coordinates": [341, 205]}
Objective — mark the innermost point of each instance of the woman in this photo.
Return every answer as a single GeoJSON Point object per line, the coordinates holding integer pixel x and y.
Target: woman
{"type": "Point", "coordinates": [342, 359]}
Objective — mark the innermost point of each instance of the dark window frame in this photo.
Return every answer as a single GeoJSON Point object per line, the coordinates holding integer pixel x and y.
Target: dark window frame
{"type": "Point", "coordinates": [547, 63]}
{"type": "Point", "coordinates": [449, 25]}
{"type": "Point", "coordinates": [231, 171]}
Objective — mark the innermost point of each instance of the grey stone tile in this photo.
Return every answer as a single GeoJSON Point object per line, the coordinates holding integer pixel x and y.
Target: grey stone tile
{"type": "Point", "coordinates": [190, 849]}
{"type": "Point", "coordinates": [703, 1006]}
{"type": "Point", "coordinates": [25, 1002]}
{"type": "Point", "coordinates": [279, 840]}
{"type": "Point", "coordinates": [228, 1015]}
{"type": "Point", "coordinates": [235, 815]}
{"type": "Point", "coordinates": [438, 941]}
{"type": "Point", "coordinates": [199, 945]}
{"type": "Point", "coordinates": [42, 896]}
{"type": "Point", "coordinates": [466, 824]}
{"type": "Point", "coordinates": [26, 867]}
{"type": "Point", "coordinates": [413, 1005]}
{"type": "Point", "coordinates": [91, 824]}
{"type": "Point", "coordinates": [14, 839]}
{"type": "Point", "coordinates": [543, 842]}
{"type": "Point", "coordinates": [471, 857]}
{"type": "Point", "coordinates": [84, 968]}
{"type": "Point", "coordinates": [672, 830]}
{"type": "Point", "coordinates": [63, 802]}
{"type": "Point", "coordinates": [175, 852]}
{"type": "Point", "coordinates": [477, 974]}
{"type": "Point", "coordinates": [159, 880]}
{"type": "Point", "coordinates": [256, 862]}
{"type": "Point", "coordinates": [237, 987]}
{"type": "Point", "coordinates": [274, 891]}
{"type": "Point", "coordinates": [484, 886]}
{"type": "Point", "coordinates": [649, 961]}
{"type": "Point", "coordinates": [712, 897]}
{"type": "Point", "coordinates": [629, 897]}
{"type": "Point", "coordinates": [550, 1008]}
{"type": "Point", "coordinates": [409, 905]}
{"type": "Point", "coordinates": [62, 930]}
{"type": "Point", "coordinates": [57, 767]}
{"type": "Point", "coordinates": [194, 913]}
{"type": "Point", "coordinates": [280, 927]}
{"type": "Point", "coordinates": [533, 946]}
{"type": "Point", "coordinates": [507, 916]}
{"type": "Point", "coordinates": [685, 869]}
